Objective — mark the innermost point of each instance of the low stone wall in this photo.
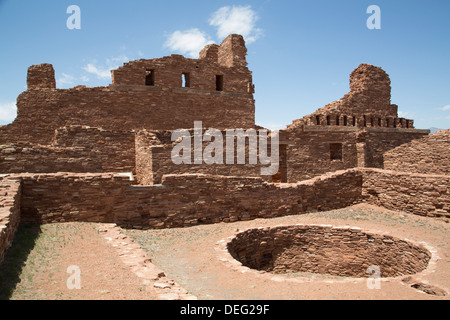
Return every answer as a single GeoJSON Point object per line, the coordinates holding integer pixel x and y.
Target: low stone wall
{"type": "Point", "coordinates": [9, 212]}
{"type": "Point", "coordinates": [182, 200]}
{"type": "Point", "coordinates": [422, 194]}
{"type": "Point", "coordinates": [190, 199]}
{"type": "Point", "coordinates": [65, 197]}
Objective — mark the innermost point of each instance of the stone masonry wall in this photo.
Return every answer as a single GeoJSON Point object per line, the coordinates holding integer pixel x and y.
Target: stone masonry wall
{"type": "Point", "coordinates": [309, 148]}
{"type": "Point", "coordinates": [190, 199]}
{"type": "Point", "coordinates": [144, 94]}
{"type": "Point", "coordinates": [308, 151]}
{"type": "Point", "coordinates": [378, 141]}
{"type": "Point", "coordinates": [430, 154]}
{"type": "Point", "coordinates": [74, 149]}
{"type": "Point", "coordinates": [368, 104]}
{"type": "Point", "coordinates": [41, 112]}
{"type": "Point", "coordinates": [421, 194]}
{"type": "Point", "coordinates": [182, 200]}
{"type": "Point", "coordinates": [327, 250]}
{"type": "Point", "coordinates": [10, 195]}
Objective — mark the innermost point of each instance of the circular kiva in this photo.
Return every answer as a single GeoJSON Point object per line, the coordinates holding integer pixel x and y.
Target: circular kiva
{"type": "Point", "coordinates": [337, 251]}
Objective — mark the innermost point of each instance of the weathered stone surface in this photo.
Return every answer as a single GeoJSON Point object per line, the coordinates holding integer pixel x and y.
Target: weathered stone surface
{"type": "Point", "coordinates": [10, 195]}
{"type": "Point", "coordinates": [430, 155]}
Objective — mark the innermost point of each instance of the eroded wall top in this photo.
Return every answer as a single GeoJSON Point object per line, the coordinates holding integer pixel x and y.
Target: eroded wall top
{"type": "Point", "coordinates": [368, 104]}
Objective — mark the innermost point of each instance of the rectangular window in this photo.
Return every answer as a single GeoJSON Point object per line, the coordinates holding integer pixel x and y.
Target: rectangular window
{"type": "Point", "coordinates": [318, 120]}
{"type": "Point", "coordinates": [345, 120]}
{"type": "Point", "coordinates": [336, 151]}
{"type": "Point", "coordinates": [186, 80]}
{"type": "Point", "coordinates": [219, 83]}
{"type": "Point", "coordinates": [337, 120]}
{"type": "Point", "coordinates": [328, 120]}
{"type": "Point", "coordinates": [149, 77]}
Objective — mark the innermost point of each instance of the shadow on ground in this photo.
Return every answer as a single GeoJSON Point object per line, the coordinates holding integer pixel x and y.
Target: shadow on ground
{"type": "Point", "coordinates": [16, 257]}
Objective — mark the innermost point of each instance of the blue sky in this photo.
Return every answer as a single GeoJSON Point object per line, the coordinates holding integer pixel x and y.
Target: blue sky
{"type": "Point", "coordinates": [301, 52]}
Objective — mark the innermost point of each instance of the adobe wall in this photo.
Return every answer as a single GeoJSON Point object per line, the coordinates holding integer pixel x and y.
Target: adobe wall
{"type": "Point", "coordinates": [421, 194]}
{"type": "Point", "coordinates": [10, 196]}
{"type": "Point", "coordinates": [430, 154]}
{"type": "Point", "coordinates": [73, 149]}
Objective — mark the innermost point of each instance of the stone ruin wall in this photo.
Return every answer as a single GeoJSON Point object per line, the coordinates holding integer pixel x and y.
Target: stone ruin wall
{"type": "Point", "coordinates": [191, 199]}
{"type": "Point", "coordinates": [73, 149]}
{"type": "Point", "coordinates": [132, 103]}
{"type": "Point", "coordinates": [363, 125]}
{"type": "Point", "coordinates": [10, 199]}
{"type": "Point", "coordinates": [416, 193]}
{"type": "Point", "coordinates": [339, 251]}
{"type": "Point", "coordinates": [429, 155]}
{"type": "Point", "coordinates": [368, 104]}
{"type": "Point", "coordinates": [154, 158]}
{"type": "Point", "coordinates": [180, 201]}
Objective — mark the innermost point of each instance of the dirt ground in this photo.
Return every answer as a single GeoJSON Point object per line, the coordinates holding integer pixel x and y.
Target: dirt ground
{"type": "Point", "coordinates": [191, 257]}
{"type": "Point", "coordinates": [44, 273]}
{"type": "Point", "coordinates": [36, 265]}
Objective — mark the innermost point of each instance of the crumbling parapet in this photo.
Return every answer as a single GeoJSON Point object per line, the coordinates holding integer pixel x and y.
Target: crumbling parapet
{"type": "Point", "coordinates": [368, 104]}
{"type": "Point", "coordinates": [41, 76]}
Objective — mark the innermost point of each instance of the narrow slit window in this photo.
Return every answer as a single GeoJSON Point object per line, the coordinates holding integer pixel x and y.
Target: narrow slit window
{"type": "Point", "coordinates": [354, 121]}
{"type": "Point", "coordinates": [186, 80]}
{"type": "Point", "coordinates": [149, 77]}
{"type": "Point", "coordinates": [328, 120]}
{"type": "Point", "coordinates": [219, 83]}
{"type": "Point", "coordinates": [318, 120]}
{"type": "Point", "coordinates": [345, 121]}
{"type": "Point", "coordinates": [387, 123]}
{"type": "Point", "coordinates": [379, 122]}
{"type": "Point", "coordinates": [337, 121]}
{"type": "Point", "coordinates": [336, 151]}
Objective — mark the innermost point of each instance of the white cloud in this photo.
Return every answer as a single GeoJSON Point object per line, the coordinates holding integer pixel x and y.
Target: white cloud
{"type": "Point", "coordinates": [445, 108]}
{"type": "Point", "coordinates": [189, 42]}
{"type": "Point", "coordinates": [100, 73]}
{"type": "Point", "coordinates": [8, 111]}
{"type": "Point", "coordinates": [104, 72]}
{"type": "Point", "coordinates": [65, 79]}
{"type": "Point", "coordinates": [236, 19]}
{"type": "Point", "coordinates": [115, 62]}
{"type": "Point", "coordinates": [403, 114]}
